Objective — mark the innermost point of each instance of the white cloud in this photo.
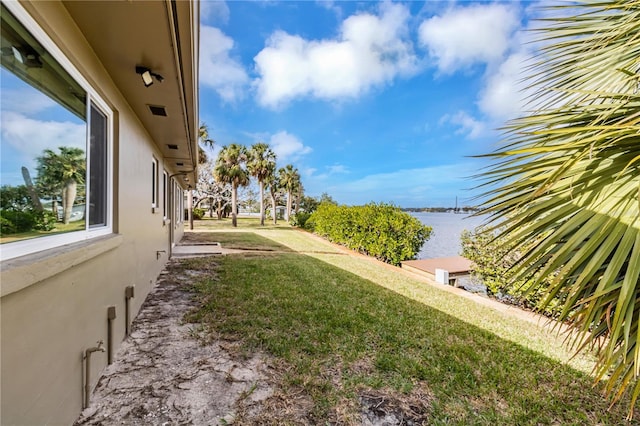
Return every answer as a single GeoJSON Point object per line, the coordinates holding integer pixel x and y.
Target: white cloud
{"type": "Point", "coordinates": [430, 176]}
{"type": "Point", "coordinates": [26, 101]}
{"type": "Point", "coordinates": [468, 35]}
{"type": "Point", "coordinates": [287, 147]}
{"type": "Point", "coordinates": [309, 171]}
{"type": "Point", "coordinates": [503, 96]}
{"type": "Point", "coordinates": [332, 6]}
{"type": "Point", "coordinates": [215, 10]}
{"type": "Point", "coordinates": [217, 69]}
{"type": "Point", "coordinates": [424, 186]}
{"type": "Point", "coordinates": [467, 125]}
{"type": "Point", "coordinates": [370, 50]}
{"type": "Point", "coordinates": [338, 169]}
{"type": "Point", "coordinates": [29, 136]}
{"type": "Point", "coordinates": [330, 171]}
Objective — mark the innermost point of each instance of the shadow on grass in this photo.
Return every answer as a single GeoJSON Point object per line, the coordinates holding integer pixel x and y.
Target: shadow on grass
{"type": "Point", "coordinates": [240, 240]}
{"type": "Point", "coordinates": [341, 333]}
{"type": "Point", "coordinates": [244, 223]}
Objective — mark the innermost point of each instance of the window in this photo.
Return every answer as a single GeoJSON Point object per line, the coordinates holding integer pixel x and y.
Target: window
{"type": "Point", "coordinates": [165, 193]}
{"type": "Point", "coordinates": [154, 183]}
{"type": "Point", "coordinates": [55, 171]}
{"type": "Point", "coordinates": [177, 202]}
{"type": "Point", "coordinates": [98, 163]}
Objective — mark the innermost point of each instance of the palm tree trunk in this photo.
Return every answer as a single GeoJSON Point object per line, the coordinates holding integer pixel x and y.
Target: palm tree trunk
{"type": "Point", "coordinates": [234, 200]}
{"type": "Point", "coordinates": [35, 200]}
{"type": "Point", "coordinates": [69, 197]}
{"type": "Point", "coordinates": [261, 203]}
{"type": "Point", "coordinates": [288, 206]}
{"type": "Point", "coordinates": [273, 208]}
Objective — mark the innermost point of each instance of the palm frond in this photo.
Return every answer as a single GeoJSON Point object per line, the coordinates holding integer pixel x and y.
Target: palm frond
{"type": "Point", "coordinates": [569, 180]}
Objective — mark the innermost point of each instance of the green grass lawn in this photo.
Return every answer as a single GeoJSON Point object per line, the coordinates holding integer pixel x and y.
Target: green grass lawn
{"type": "Point", "coordinates": [235, 240]}
{"type": "Point", "coordinates": [344, 326]}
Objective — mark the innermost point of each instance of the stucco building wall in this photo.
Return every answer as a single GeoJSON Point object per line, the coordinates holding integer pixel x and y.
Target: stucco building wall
{"type": "Point", "coordinates": [54, 303]}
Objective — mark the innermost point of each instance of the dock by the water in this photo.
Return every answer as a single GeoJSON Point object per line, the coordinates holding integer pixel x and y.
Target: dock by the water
{"type": "Point", "coordinates": [454, 266]}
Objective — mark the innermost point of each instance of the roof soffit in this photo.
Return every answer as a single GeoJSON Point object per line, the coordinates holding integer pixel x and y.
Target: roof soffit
{"type": "Point", "coordinates": [161, 36]}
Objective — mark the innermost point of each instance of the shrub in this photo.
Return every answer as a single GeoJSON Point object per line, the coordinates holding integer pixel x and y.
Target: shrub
{"type": "Point", "coordinates": [300, 219]}
{"type": "Point", "coordinates": [44, 220]}
{"type": "Point", "coordinates": [27, 220]}
{"type": "Point", "coordinates": [6, 226]}
{"type": "Point", "coordinates": [22, 221]}
{"type": "Point", "coordinates": [379, 230]}
{"type": "Point", "coordinates": [198, 213]}
{"type": "Point", "coordinates": [492, 260]}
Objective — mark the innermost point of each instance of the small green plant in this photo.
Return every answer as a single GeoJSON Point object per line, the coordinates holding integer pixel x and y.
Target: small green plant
{"type": "Point", "coordinates": [198, 213]}
{"type": "Point", "coordinates": [493, 259]}
{"type": "Point", "coordinates": [7, 226]}
{"type": "Point", "coordinates": [300, 219]}
{"type": "Point", "coordinates": [44, 220]}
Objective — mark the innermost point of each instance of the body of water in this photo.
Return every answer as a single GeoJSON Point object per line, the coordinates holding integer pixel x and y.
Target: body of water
{"type": "Point", "coordinates": [447, 228]}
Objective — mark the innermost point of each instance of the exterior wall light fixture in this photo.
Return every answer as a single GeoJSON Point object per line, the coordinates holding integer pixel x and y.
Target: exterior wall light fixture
{"type": "Point", "coordinates": [148, 76]}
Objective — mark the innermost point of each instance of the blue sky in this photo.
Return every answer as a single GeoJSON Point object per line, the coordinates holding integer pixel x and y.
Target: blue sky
{"type": "Point", "coordinates": [371, 101]}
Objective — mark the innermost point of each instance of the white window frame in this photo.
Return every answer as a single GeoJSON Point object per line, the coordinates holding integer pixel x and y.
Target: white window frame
{"type": "Point", "coordinates": [177, 191]}
{"type": "Point", "coordinates": [154, 183]}
{"type": "Point", "coordinates": [24, 247]}
{"type": "Point", "coordinates": [165, 194]}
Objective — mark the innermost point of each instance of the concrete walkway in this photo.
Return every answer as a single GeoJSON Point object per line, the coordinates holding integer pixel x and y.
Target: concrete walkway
{"type": "Point", "coordinates": [196, 250]}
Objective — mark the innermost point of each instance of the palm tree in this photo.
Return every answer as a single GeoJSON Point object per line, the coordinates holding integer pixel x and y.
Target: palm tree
{"type": "Point", "coordinates": [229, 169]}
{"type": "Point", "coordinates": [62, 173]}
{"type": "Point", "coordinates": [273, 183]}
{"type": "Point", "coordinates": [568, 179]}
{"type": "Point", "coordinates": [261, 164]}
{"type": "Point", "coordinates": [289, 180]}
{"type": "Point", "coordinates": [299, 192]}
{"type": "Point", "coordinates": [205, 140]}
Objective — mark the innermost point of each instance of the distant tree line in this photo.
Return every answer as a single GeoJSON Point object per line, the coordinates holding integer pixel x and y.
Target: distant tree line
{"type": "Point", "coordinates": [465, 209]}
{"type": "Point", "coordinates": [219, 181]}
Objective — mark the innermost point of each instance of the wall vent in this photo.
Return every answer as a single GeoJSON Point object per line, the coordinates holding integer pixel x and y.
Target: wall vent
{"type": "Point", "coordinates": [179, 164]}
{"type": "Point", "coordinates": [158, 110]}
{"type": "Point", "coordinates": [172, 146]}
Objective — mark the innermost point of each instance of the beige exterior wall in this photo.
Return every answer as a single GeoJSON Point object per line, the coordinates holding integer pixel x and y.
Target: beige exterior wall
{"type": "Point", "coordinates": [54, 304]}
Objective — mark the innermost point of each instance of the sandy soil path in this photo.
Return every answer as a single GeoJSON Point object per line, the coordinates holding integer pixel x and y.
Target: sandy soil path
{"type": "Point", "coordinates": [164, 374]}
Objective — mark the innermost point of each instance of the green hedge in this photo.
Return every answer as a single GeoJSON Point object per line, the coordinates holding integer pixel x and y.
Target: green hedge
{"type": "Point", "coordinates": [13, 221]}
{"type": "Point", "coordinates": [300, 219]}
{"type": "Point", "coordinates": [379, 230]}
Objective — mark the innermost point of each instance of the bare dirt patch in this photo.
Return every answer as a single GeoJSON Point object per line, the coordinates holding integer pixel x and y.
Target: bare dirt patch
{"type": "Point", "coordinates": [387, 407]}
{"type": "Point", "coordinates": [164, 374]}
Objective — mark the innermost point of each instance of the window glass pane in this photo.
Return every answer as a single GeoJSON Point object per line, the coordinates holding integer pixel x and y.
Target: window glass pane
{"type": "Point", "coordinates": [97, 168]}
{"type": "Point", "coordinates": [154, 182]}
{"type": "Point", "coordinates": [165, 194]}
{"type": "Point", "coordinates": [43, 140]}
